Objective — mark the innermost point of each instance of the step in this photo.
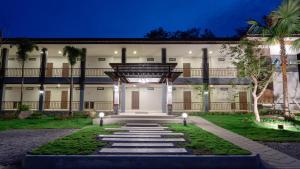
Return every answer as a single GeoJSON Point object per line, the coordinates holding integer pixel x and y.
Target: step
{"type": "Point", "coordinates": [143, 150]}
{"type": "Point", "coordinates": [148, 133]}
{"type": "Point", "coordinates": [130, 136]}
{"type": "Point", "coordinates": [142, 145]}
{"type": "Point", "coordinates": [143, 139]}
{"type": "Point", "coordinates": [134, 116]}
{"type": "Point", "coordinates": [137, 129]}
{"type": "Point", "coordinates": [140, 131]}
{"type": "Point", "coordinates": [132, 128]}
{"type": "Point", "coordinates": [142, 125]}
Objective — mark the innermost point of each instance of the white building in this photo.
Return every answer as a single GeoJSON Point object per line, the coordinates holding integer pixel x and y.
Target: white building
{"type": "Point", "coordinates": [143, 78]}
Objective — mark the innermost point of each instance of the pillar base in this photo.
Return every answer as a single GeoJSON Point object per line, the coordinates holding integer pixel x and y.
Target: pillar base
{"type": "Point", "coordinates": [170, 109]}
{"type": "Point", "coordinates": [116, 109]}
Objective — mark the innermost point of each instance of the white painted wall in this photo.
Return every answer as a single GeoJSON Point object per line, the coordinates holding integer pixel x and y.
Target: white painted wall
{"type": "Point", "coordinates": [92, 94]}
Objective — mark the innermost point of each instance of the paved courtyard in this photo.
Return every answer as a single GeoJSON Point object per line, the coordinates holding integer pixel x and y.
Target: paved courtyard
{"type": "Point", "coordinates": [15, 143]}
{"type": "Point", "coordinates": [270, 157]}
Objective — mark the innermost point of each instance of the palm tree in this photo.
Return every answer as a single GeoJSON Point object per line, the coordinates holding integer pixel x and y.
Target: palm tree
{"type": "Point", "coordinates": [72, 53]}
{"type": "Point", "coordinates": [24, 47]}
{"type": "Point", "coordinates": [280, 24]}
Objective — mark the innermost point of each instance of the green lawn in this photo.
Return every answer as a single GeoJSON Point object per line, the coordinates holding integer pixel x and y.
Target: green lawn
{"type": "Point", "coordinates": [202, 142]}
{"type": "Point", "coordinates": [245, 125]}
{"type": "Point", "coordinates": [49, 122]}
{"type": "Point", "coordinates": [81, 142]}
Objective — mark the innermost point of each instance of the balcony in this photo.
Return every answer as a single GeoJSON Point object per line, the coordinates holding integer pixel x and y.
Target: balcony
{"type": "Point", "coordinates": [213, 106]}
{"type": "Point", "coordinates": [99, 72]}
{"type": "Point", "coordinates": [61, 105]}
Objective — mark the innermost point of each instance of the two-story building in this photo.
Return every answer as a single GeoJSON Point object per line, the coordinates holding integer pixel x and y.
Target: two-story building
{"type": "Point", "coordinates": [134, 75]}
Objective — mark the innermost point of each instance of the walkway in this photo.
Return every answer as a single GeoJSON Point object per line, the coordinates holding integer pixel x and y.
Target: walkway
{"type": "Point", "coordinates": [142, 138]}
{"type": "Point", "coordinates": [271, 158]}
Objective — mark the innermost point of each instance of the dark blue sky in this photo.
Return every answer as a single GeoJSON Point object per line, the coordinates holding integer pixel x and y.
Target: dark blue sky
{"type": "Point", "coordinates": [125, 18]}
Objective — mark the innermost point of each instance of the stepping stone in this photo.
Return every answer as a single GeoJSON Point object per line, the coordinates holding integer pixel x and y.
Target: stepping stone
{"type": "Point", "coordinates": [133, 128]}
{"type": "Point", "coordinates": [143, 150]}
{"type": "Point", "coordinates": [129, 136]}
{"type": "Point", "coordinates": [142, 124]}
{"type": "Point", "coordinates": [142, 145]}
{"type": "Point", "coordinates": [126, 129]}
{"type": "Point", "coordinates": [147, 133]}
{"type": "Point", "coordinates": [138, 131]}
{"type": "Point", "coordinates": [143, 139]}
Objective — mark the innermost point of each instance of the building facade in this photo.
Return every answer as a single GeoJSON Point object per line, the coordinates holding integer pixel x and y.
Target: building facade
{"type": "Point", "coordinates": [207, 80]}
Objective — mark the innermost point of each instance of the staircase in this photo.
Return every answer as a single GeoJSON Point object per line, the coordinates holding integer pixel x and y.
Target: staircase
{"type": "Point", "coordinates": [142, 139]}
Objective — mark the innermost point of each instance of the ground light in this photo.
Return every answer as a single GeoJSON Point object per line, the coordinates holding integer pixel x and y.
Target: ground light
{"type": "Point", "coordinates": [101, 115]}
{"type": "Point", "coordinates": [184, 116]}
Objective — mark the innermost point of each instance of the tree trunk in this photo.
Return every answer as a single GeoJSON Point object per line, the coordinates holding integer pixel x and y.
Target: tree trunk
{"type": "Point", "coordinates": [71, 93]}
{"type": "Point", "coordinates": [283, 58]}
{"type": "Point", "coordinates": [255, 107]}
{"type": "Point", "coordinates": [22, 82]}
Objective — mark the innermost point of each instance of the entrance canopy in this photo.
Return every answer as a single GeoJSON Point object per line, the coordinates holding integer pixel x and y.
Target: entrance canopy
{"type": "Point", "coordinates": [143, 72]}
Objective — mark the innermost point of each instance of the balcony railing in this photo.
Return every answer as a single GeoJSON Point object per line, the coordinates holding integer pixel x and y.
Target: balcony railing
{"type": "Point", "coordinates": [60, 105]}
{"type": "Point", "coordinates": [213, 106]}
{"type": "Point", "coordinates": [100, 72]}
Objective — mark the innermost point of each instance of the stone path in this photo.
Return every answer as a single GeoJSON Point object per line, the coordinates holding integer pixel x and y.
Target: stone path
{"type": "Point", "coordinates": [270, 157]}
{"type": "Point", "coordinates": [142, 138]}
{"type": "Point", "coordinates": [14, 144]}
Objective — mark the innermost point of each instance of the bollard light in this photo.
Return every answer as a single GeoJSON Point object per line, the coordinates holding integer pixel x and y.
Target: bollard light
{"type": "Point", "coordinates": [184, 116]}
{"type": "Point", "coordinates": [101, 115]}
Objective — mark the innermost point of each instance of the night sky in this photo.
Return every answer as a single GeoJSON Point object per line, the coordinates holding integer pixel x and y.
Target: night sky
{"type": "Point", "coordinates": [125, 18]}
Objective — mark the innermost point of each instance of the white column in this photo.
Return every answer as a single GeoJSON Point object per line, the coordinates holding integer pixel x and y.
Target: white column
{"type": "Point", "coordinates": [164, 98]}
{"type": "Point", "coordinates": [169, 96]}
{"type": "Point", "coordinates": [123, 97]}
{"type": "Point", "coordinates": [116, 97]}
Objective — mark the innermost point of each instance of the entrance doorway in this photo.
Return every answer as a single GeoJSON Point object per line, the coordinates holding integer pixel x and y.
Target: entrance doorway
{"type": "Point", "coordinates": [243, 100]}
{"type": "Point", "coordinates": [187, 100]}
{"type": "Point", "coordinates": [135, 100]}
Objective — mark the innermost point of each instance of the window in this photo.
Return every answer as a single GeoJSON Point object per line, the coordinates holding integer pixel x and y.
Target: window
{"type": "Point", "coordinates": [221, 59]}
{"type": "Point", "coordinates": [32, 59]}
{"type": "Point", "coordinates": [100, 88]}
{"type": "Point", "coordinates": [89, 105]}
{"type": "Point", "coordinates": [101, 59]}
{"type": "Point", "coordinates": [172, 59]}
{"type": "Point", "coordinates": [29, 88]}
{"type": "Point", "coordinates": [150, 59]}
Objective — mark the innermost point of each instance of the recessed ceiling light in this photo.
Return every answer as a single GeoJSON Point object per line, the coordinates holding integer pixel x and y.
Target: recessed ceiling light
{"type": "Point", "coordinates": [190, 52]}
{"type": "Point", "coordinates": [60, 52]}
{"type": "Point", "coordinates": [116, 52]}
{"type": "Point", "coordinates": [134, 52]}
{"type": "Point", "coordinates": [210, 52]}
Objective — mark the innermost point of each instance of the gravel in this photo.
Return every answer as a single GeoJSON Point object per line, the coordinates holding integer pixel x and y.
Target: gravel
{"type": "Point", "coordinates": [290, 148]}
{"type": "Point", "coordinates": [14, 144]}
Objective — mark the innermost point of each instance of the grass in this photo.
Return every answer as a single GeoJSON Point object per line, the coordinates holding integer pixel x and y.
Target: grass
{"type": "Point", "coordinates": [202, 142]}
{"type": "Point", "coordinates": [82, 142]}
{"type": "Point", "coordinates": [49, 122]}
{"type": "Point", "coordinates": [245, 125]}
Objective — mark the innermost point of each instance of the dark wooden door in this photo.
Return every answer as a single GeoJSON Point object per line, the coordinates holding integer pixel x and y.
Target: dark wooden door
{"type": "Point", "coordinates": [135, 102]}
{"type": "Point", "coordinates": [186, 70]}
{"type": "Point", "coordinates": [243, 100]}
{"type": "Point", "coordinates": [65, 70]}
{"type": "Point", "coordinates": [64, 100]}
{"type": "Point", "coordinates": [187, 99]}
{"type": "Point", "coordinates": [49, 70]}
{"type": "Point", "coordinates": [47, 99]}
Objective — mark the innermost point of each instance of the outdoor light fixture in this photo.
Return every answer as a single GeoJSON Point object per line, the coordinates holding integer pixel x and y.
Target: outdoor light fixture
{"type": "Point", "coordinates": [143, 80]}
{"type": "Point", "coordinates": [280, 126]}
{"type": "Point", "coordinates": [60, 52]}
{"type": "Point", "coordinates": [134, 52]}
{"type": "Point", "coordinates": [58, 85]}
{"type": "Point", "coordinates": [184, 116]}
{"type": "Point", "coordinates": [205, 92]}
{"type": "Point", "coordinates": [41, 91]}
{"type": "Point", "coordinates": [116, 52]}
{"type": "Point", "coordinates": [101, 115]}
{"type": "Point", "coordinates": [190, 52]}
{"type": "Point", "coordinates": [210, 52]}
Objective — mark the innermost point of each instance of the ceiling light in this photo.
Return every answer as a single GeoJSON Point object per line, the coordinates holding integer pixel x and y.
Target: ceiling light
{"type": "Point", "coordinates": [134, 52]}
{"type": "Point", "coordinates": [60, 52]}
{"type": "Point", "coordinates": [116, 52]}
{"type": "Point", "coordinates": [143, 80]}
{"type": "Point", "coordinates": [210, 52]}
{"type": "Point", "coordinates": [190, 52]}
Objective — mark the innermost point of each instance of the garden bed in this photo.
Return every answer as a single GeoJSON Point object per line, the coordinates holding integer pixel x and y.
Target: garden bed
{"type": "Point", "coordinates": [201, 142]}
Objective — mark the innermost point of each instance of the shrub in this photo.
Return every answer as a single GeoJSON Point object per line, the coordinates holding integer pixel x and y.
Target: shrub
{"type": "Point", "coordinates": [23, 107]}
{"type": "Point", "coordinates": [8, 115]}
{"type": "Point", "coordinates": [37, 115]}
